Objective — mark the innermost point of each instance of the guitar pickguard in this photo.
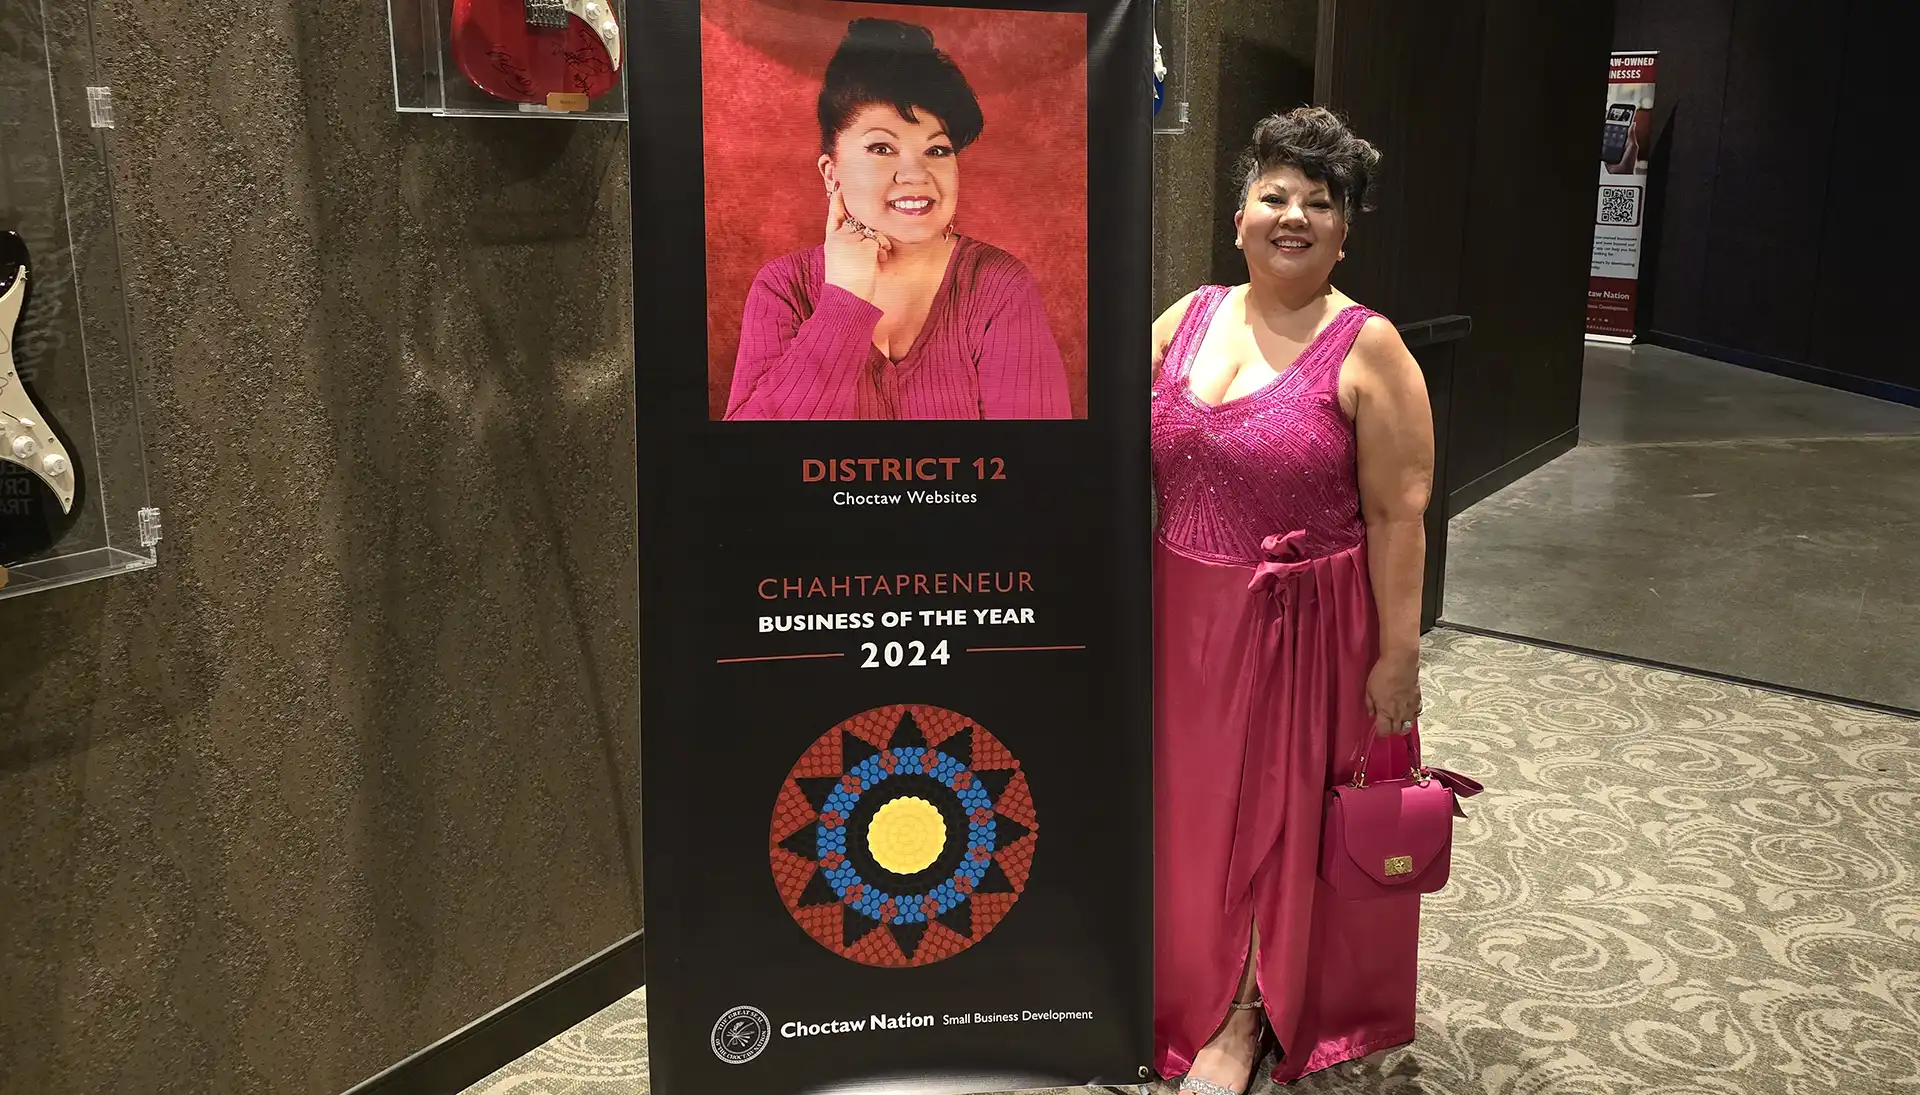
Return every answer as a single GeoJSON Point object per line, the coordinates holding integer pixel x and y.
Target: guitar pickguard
{"type": "Point", "coordinates": [25, 437]}
{"type": "Point", "coordinates": [595, 14]}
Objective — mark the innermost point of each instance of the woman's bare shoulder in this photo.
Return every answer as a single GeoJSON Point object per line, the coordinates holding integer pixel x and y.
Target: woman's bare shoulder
{"type": "Point", "coordinates": [1165, 327]}
{"type": "Point", "coordinates": [1170, 319]}
{"type": "Point", "coordinates": [1378, 363]}
{"type": "Point", "coordinates": [1379, 350]}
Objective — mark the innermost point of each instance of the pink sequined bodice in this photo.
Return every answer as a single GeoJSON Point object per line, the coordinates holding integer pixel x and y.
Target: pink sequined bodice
{"type": "Point", "coordinates": [1274, 461]}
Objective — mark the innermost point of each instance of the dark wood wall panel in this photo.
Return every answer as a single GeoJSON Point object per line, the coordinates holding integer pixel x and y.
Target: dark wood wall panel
{"type": "Point", "coordinates": [1769, 226]}
{"type": "Point", "coordinates": [1769, 206]}
{"type": "Point", "coordinates": [1485, 111]}
{"type": "Point", "coordinates": [1406, 76]}
{"type": "Point", "coordinates": [1529, 233]}
{"type": "Point", "coordinates": [1688, 103]}
{"type": "Point", "coordinates": [1867, 252]}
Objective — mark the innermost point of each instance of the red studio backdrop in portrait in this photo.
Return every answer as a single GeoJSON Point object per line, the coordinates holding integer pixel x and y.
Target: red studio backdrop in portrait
{"type": "Point", "coordinates": [1023, 184]}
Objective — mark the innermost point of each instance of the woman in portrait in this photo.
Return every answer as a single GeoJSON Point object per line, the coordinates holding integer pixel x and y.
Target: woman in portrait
{"type": "Point", "coordinates": [1293, 455]}
{"type": "Point", "coordinates": [896, 314]}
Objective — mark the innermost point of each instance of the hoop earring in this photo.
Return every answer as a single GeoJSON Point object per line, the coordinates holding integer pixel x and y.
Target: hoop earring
{"type": "Point", "coordinates": [948, 235]}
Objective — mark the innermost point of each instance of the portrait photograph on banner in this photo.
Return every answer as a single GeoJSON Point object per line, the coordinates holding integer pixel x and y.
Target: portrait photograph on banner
{"type": "Point", "coordinates": [896, 211]}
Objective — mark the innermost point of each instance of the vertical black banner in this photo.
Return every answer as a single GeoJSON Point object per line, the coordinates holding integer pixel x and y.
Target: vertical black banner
{"type": "Point", "coordinates": [892, 270]}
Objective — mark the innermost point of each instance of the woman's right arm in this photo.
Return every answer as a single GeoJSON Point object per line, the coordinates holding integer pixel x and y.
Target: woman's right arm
{"type": "Point", "coordinates": [1164, 329]}
{"type": "Point", "coordinates": [791, 366]}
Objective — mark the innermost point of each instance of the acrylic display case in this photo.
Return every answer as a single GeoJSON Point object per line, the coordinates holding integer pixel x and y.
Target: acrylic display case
{"type": "Point", "coordinates": [73, 480]}
{"type": "Point", "coordinates": [510, 58]}
{"type": "Point", "coordinates": [1170, 29]}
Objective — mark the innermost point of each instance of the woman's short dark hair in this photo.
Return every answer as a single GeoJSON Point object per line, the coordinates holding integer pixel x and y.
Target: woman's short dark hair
{"type": "Point", "coordinates": [882, 61]}
{"type": "Point", "coordinates": [1318, 142]}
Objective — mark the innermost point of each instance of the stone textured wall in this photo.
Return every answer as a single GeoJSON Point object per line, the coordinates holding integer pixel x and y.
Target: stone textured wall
{"type": "Point", "coordinates": [357, 763]}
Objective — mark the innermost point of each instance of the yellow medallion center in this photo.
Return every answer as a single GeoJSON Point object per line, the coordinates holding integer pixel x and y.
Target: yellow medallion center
{"type": "Point", "coordinates": [906, 835]}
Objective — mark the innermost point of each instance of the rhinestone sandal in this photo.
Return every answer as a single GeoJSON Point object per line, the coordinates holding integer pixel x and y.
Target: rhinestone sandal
{"type": "Point", "coordinates": [1192, 1086]}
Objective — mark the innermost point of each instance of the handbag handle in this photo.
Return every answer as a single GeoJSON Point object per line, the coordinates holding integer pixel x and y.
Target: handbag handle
{"type": "Point", "coordinates": [1417, 771]}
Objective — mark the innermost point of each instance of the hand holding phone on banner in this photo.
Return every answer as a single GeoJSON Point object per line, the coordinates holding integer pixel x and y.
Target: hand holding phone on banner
{"type": "Point", "coordinates": [1621, 154]}
{"type": "Point", "coordinates": [854, 251]}
{"type": "Point", "coordinates": [1629, 160]}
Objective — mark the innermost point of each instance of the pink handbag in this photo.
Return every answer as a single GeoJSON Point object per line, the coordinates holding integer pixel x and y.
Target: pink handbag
{"type": "Point", "coordinates": [1394, 836]}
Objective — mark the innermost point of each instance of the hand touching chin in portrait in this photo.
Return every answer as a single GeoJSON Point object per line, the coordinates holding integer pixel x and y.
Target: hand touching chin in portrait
{"type": "Point", "coordinates": [896, 314]}
{"type": "Point", "coordinates": [853, 252]}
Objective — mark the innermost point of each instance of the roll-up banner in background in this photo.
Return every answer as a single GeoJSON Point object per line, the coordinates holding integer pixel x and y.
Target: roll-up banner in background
{"type": "Point", "coordinates": [892, 304]}
{"type": "Point", "coordinates": [1613, 289]}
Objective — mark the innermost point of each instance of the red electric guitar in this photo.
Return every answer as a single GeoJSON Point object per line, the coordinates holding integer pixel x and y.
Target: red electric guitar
{"type": "Point", "coordinates": [559, 53]}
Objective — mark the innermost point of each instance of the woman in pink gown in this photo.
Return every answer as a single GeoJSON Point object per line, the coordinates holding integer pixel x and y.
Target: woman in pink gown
{"type": "Point", "coordinates": [1293, 454]}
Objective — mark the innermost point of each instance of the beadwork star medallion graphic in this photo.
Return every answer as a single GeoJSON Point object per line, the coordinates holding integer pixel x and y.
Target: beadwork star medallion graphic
{"type": "Point", "coordinates": [903, 836]}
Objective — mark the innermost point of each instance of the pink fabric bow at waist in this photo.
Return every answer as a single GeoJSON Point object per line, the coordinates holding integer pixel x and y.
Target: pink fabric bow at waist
{"type": "Point", "coordinates": [1286, 556]}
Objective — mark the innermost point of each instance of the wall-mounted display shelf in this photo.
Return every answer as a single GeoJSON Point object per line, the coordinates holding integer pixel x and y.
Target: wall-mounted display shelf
{"type": "Point", "coordinates": [1170, 27]}
{"type": "Point", "coordinates": [73, 475]}
{"type": "Point", "coordinates": [510, 58]}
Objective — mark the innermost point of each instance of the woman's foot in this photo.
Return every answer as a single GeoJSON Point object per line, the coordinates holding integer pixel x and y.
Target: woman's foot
{"type": "Point", "coordinates": [1225, 1065]}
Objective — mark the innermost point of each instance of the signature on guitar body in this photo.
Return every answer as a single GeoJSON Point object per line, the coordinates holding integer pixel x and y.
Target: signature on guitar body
{"type": "Point", "coordinates": [530, 51]}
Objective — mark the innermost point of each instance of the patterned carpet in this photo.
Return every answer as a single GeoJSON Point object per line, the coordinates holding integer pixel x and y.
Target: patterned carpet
{"type": "Point", "coordinates": [1672, 887]}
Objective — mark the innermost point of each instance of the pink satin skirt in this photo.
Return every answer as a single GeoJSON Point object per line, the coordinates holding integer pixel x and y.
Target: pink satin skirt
{"type": "Point", "coordinates": [1260, 677]}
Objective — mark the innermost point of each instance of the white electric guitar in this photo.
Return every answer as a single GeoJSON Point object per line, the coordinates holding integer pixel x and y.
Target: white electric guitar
{"type": "Point", "coordinates": [25, 437]}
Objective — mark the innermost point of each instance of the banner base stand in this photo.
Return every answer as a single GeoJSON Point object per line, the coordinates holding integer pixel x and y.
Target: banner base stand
{"type": "Point", "coordinates": [1613, 340]}
{"type": "Point", "coordinates": [517, 1027]}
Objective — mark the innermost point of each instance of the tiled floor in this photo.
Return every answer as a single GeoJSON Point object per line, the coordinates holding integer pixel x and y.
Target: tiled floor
{"type": "Point", "coordinates": [1715, 518]}
{"type": "Point", "coordinates": [1671, 887]}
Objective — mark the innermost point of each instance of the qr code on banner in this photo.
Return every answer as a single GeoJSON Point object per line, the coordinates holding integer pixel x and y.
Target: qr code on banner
{"type": "Point", "coordinates": [1620, 205]}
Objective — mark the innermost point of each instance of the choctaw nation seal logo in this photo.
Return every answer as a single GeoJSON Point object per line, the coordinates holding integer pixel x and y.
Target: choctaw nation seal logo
{"type": "Point", "coordinates": [903, 836]}
{"type": "Point", "coordinates": [741, 1035]}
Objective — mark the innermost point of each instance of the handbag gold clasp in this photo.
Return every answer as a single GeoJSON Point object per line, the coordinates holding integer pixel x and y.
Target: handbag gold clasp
{"type": "Point", "coordinates": [1399, 865]}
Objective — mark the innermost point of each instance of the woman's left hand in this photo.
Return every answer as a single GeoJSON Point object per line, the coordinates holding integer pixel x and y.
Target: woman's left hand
{"type": "Point", "coordinates": [1393, 693]}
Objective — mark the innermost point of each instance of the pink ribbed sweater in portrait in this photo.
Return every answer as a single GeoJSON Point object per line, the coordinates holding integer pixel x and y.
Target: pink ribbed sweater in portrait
{"type": "Point", "coordinates": [986, 351]}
